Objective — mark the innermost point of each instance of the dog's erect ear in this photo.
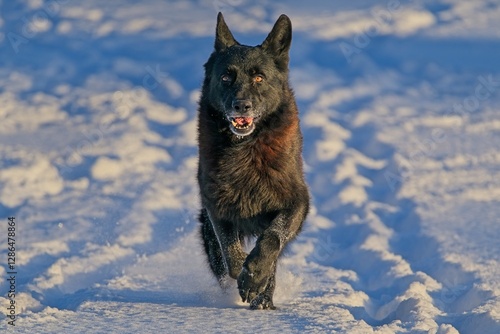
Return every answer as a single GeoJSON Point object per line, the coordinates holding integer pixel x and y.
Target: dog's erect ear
{"type": "Point", "coordinates": [280, 38]}
{"type": "Point", "coordinates": [223, 36]}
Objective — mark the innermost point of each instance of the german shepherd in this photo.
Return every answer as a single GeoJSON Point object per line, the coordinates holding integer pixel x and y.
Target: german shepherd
{"type": "Point", "coordinates": [250, 166]}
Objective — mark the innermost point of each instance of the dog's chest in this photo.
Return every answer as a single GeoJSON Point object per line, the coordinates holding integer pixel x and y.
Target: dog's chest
{"type": "Point", "coordinates": [253, 178]}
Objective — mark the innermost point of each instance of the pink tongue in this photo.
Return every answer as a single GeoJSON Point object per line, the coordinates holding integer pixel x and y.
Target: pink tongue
{"type": "Point", "coordinates": [243, 120]}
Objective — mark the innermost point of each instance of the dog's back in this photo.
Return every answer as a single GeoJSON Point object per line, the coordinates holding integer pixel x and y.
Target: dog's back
{"type": "Point", "coordinates": [250, 166]}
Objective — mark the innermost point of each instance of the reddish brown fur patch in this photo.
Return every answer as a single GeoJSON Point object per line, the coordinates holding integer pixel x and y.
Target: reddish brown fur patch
{"type": "Point", "coordinates": [270, 147]}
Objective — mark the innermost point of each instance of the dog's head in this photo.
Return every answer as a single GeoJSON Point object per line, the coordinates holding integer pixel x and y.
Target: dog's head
{"type": "Point", "coordinates": [246, 83]}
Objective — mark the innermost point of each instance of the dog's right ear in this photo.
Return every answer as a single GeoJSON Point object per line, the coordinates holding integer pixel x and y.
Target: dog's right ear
{"type": "Point", "coordinates": [223, 36]}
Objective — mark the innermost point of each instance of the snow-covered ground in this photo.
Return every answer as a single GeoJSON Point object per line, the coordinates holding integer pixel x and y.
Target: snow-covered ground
{"type": "Point", "coordinates": [399, 104]}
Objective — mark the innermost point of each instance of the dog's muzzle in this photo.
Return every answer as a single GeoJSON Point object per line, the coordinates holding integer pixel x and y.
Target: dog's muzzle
{"type": "Point", "coordinates": [241, 119]}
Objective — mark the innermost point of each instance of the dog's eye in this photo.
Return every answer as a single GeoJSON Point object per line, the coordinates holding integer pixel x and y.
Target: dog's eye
{"type": "Point", "coordinates": [258, 78]}
{"type": "Point", "coordinates": [225, 78]}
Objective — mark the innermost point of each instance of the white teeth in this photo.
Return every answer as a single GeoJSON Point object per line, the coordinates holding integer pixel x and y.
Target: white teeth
{"type": "Point", "coordinates": [240, 127]}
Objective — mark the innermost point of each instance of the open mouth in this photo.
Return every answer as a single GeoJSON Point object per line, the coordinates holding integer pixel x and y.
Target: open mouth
{"type": "Point", "coordinates": [242, 126]}
{"type": "Point", "coordinates": [241, 123]}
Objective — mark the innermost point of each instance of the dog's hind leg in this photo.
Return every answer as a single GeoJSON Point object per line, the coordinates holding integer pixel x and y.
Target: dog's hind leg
{"type": "Point", "coordinates": [212, 248]}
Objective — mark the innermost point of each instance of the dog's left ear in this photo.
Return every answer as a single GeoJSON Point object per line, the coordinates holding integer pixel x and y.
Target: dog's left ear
{"type": "Point", "coordinates": [280, 38]}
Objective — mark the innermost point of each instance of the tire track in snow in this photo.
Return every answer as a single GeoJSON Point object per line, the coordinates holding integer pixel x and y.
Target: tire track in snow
{"type": "Point", "coordinates": [362, 225]}
{"type": "Point", "coordinates": [377, 237]}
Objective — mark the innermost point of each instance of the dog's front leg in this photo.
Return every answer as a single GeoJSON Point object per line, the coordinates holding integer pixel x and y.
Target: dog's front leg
{"type": "Point", "coordinates": [256, 280]}
{"type": "Point", "coordinates": [230, 245]}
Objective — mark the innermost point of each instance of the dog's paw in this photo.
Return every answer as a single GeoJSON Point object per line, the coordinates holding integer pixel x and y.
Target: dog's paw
{"type": "Point", "coordinates": [251, 284]}
{"type": "Point", "coordinates": [262, 302]}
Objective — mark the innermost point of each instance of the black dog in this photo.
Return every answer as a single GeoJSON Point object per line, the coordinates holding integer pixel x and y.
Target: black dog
{"type": "Point", "coordinates": [250, 166]}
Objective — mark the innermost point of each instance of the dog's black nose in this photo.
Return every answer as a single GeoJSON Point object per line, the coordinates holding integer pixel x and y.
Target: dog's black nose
{"type": "Point", "coordinates": [242, 105]}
